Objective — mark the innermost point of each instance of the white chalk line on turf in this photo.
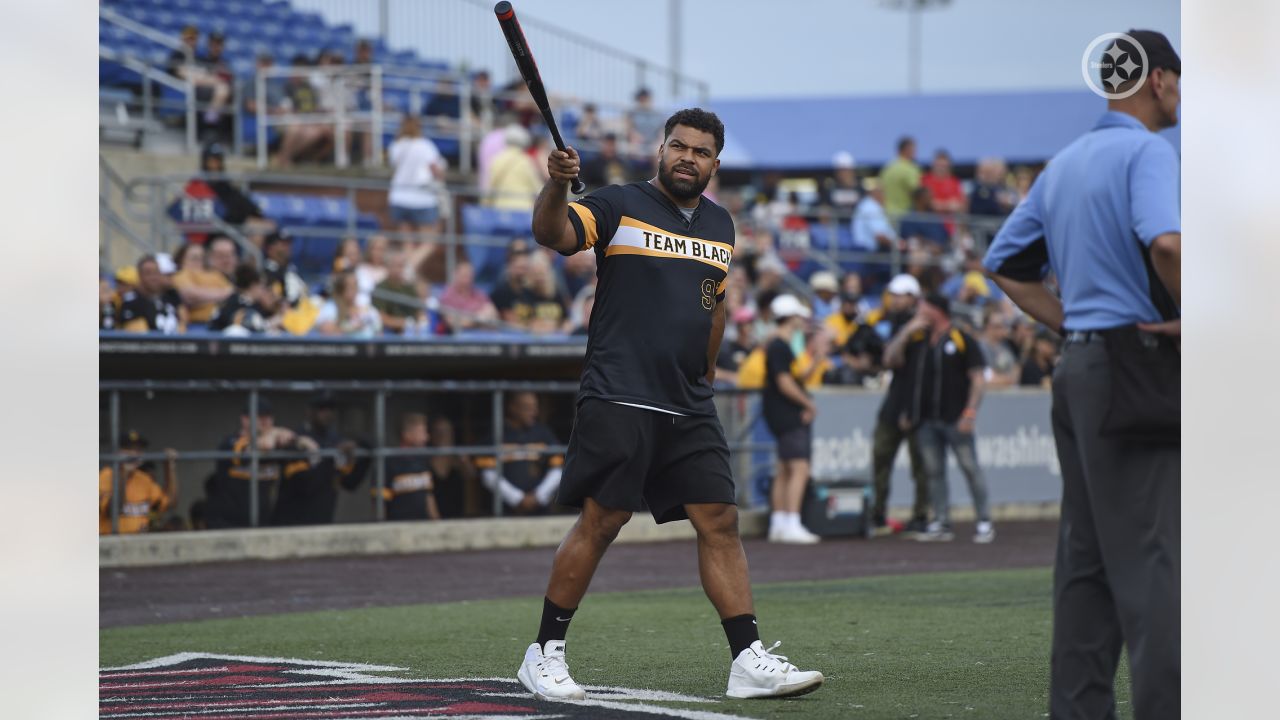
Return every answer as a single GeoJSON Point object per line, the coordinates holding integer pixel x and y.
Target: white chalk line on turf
{"type": "Point", "coordinates": [347, 673]}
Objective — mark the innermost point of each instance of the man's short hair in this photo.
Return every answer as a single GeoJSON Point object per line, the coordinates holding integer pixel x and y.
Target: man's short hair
{"type": "Point", "coordinates": [904, 141]}
{"type": "Point", "coordinates": [146, 259]}
{"type": "Point", "coordinates": [412, 419]}
{"type": "Point", "coordinates": [246, 276]}
{"type": "Point", "coordinates": [698, 119]}
{"type": "Point", "coordinates": [1156, 47]}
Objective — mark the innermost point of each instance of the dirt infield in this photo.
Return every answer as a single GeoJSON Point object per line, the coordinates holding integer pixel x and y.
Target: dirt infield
{"type": "Point", "coordinates": [151, 595]}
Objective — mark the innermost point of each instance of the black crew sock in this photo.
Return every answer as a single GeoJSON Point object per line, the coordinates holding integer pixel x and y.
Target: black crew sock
{"type": "Point", "coordinates": [555, 622]}
{"type": "Point", "coordinates": [741, 631]}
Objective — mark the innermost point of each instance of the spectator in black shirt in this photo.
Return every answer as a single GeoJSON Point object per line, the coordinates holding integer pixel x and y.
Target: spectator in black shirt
{"type": "Point", "coordinates": [893, 424]}
{"type": "Point", "coordinates": [530, 477]}
{"type": "Point", "coordinates": [864, 350]}
{"type": "Point", "coordinates": [513, 298]}
{"type": "Point", "coordinates": [947, 366]}
{"type": "Point", "coordinates": [281, 276]}
{"type": "Point", "coordinates": [454, 476]}
{"type": "Point", "coordinates": [228, 491]}
{"type": "Point", "coordinates": [250, 309]}
{"type": "Point", "coordinates": [237, 207]}
{"type": "Point", "coordinates": [1037, 371]}
{"type": "Point", "coordinates": [309, 495]}
{"type": "Point", "coordinates": [152, 306]}
{"type": "Point", "coordinates": [606, 167]}
{"type": "Point", "coordinates": [789, 412]}
{"type": "Point", "coordinates": [990, 195]}
{"type": "Point", "coordinates": [411, 486]}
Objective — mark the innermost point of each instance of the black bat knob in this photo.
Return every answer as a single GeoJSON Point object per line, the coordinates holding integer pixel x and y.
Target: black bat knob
{"type": "Point", "coordinates": [577, 186]}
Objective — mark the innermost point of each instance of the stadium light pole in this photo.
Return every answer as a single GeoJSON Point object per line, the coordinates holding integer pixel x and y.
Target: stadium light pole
{"type": "Point", "coordinates": [914, 8]}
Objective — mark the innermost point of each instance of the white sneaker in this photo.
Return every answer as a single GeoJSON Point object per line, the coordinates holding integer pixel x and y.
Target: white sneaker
{"type": "Point", "coordinates": [546, 675]}
{"type": "Point", "coordinates": [936, 532]}
{"type": "Point", "coordinates": [985, 533]}
{"type": "Point", "coordinates": [758, 673]}
{"type": "Point", "coordinates": [793, 535]}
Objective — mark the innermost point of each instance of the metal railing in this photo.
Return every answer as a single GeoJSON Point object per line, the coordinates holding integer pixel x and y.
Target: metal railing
{"type": "Point", "coordinates": [736, 427]}
{"type": "Point", "coordinates": [464, 32]}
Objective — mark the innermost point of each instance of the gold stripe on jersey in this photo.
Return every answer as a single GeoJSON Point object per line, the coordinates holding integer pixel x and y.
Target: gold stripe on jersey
{"type": "Point", "coordinates": [590, 231]}
{"type": "Point", "coordinates": [637, 238]}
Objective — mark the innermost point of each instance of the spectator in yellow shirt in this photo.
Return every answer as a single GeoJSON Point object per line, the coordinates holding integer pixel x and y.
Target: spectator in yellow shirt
{"type": "Point", "coordinates": [514, 180]}
{"type": "Point", "coordinates": [900, 178]}
{"type": "Point", "coordinates": [202, 289]}
{"type": "Point", "coordinates": [141, 495]}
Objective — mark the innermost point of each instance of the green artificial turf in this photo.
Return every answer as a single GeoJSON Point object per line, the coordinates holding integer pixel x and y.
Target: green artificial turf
{"type": "Point", "coordinates": [964, 645]}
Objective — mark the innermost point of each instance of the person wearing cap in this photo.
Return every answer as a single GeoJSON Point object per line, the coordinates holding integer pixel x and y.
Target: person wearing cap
{"type": "Point", "coordinates": [141, 495]}
{"type": "Point", "coordinates": [893, 425]}
{"type": "Point", "coordinates": [1105, 218]}
{"type": "Point", "coordinates": [947, 370]}
{"type": "Point", "coordinates": [825, 288]}
{"type": "Point", "coordinates": [513, 298]}
{"type": "Point", "coordinates": [862, 348]}
{"type": "Point", "coordinates": [278, 270]}
{"type": "Point", "coordinates": [789, 412]}
{"type": "Point", "coordinates": [228, 492]}
{"type": "Point", "coordinates": [152, 306]}
{"type": "Point", "coordinates": [840, 193]}
{"type": "Point", "coordinates": [309, 495]}
{"type": "Point", "coordinates": [1037, 371]}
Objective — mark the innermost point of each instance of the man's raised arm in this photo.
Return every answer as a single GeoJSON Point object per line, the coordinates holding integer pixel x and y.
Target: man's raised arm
{"type": "Point", "coordinates": [551, 226]}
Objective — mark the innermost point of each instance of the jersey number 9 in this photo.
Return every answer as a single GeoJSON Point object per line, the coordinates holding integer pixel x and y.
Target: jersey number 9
{"type": "Point", "coordinates": [708, 294]}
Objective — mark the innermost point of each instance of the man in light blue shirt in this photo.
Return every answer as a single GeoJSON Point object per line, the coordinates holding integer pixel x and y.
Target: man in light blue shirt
{"type": "Point", "coordinates": [1104, 216]}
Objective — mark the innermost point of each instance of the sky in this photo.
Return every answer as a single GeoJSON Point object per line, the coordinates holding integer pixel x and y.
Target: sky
{"type": "Point", "coordinates": [772, 48]}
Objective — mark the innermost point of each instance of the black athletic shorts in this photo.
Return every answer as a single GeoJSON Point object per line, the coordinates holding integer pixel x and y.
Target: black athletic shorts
{"type": "Point", "coordinates": [796, 443]}
{"type": "Point", "coordinates": [628, 458]}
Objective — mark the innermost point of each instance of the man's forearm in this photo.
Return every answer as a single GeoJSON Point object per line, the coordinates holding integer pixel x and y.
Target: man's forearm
{"type": "Point", "coordinates": [790, 389]}
{"type": "Point", "coordinates": [977, 385]}
{"type": "Point", "coordinates": [1166, 257]}
{"type": "Point", "coordinates": [717, 336]}
{"type": "Point", "coordinates": [1034, 299]}
{"type": "Point", "coordinates": [550, 214]}
{"type": "Point", "coordinates": [896, 351]}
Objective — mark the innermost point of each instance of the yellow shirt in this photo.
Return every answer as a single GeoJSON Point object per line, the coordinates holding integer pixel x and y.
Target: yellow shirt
{"type": "Point", "coordinates": [751, 371]}
{"type": "Point", "coordinates": [203, 312]}
{"type": "Point", "coordinates": [513, 181]}
{"type": "Point", "coordinates": [140, 496]}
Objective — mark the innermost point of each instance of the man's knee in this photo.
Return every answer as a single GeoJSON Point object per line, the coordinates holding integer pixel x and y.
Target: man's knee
{"type": "Point", "coordinates": [714, 520]}
{"type": "Point", "coordinates": [602, 525]}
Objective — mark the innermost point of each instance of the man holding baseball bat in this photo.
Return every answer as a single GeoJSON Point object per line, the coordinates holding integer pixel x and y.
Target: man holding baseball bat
{"type": "Point", "coordinates": [646, 435]}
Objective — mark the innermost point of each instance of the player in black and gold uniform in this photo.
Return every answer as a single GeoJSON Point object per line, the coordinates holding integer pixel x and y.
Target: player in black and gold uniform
{"type": "Point", "coordinates": [646, 434]}
{"type": "Point", "coordinates": [530, 476]}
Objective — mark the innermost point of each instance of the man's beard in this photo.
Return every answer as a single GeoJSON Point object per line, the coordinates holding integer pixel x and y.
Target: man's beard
{"type": "Point", "coordinates": [680, 187]}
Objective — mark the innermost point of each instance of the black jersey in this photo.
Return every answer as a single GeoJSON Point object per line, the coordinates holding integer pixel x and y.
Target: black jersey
{"type": "Point", "coordinates": [660, 276]}
{"type": "Point", "coordinates": [409, 482]}
{"type": "Point", "coordinates": [160, 313]}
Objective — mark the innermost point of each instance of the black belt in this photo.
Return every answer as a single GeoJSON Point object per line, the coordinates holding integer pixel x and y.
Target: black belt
{"type": "Point", "coordinates": [1086, 336]}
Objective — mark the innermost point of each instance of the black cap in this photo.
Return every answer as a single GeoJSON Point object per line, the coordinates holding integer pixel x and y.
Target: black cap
{"type": "Point", "coordinates": [264, 407]}
{"type": "Point", "coordinates": [939, 301]}
{"type": "Point", "coordinates": [277, 236]}
{"type": "Point", "coordinates": [217, 35]}
{"type": "Point", "coordinates": [324, 399]}
{"type": "Point", "coordinates": [133, 439]}
{"type": "Point", "coordinates": [213, 149]}
{"type": "Point", "coordinates": [1160, 53]}
{"type": "Point", "coordinates": [853, 298]}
